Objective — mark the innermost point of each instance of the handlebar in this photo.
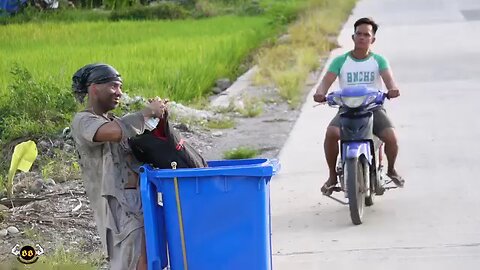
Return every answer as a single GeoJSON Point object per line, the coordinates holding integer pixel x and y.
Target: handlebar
{"type": "Point", "coordinates": [356, 97]}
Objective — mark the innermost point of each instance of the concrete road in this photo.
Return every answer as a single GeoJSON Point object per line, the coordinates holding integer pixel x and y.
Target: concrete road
{"type": "Point", "coordinates": [434, 222]}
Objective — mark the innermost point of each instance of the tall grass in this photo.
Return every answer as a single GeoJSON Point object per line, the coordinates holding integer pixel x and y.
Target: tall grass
{"type": "Point", "coordinates": [287, 64]}
{"type": "Point", "coordinates": [175, 59]}
{"type": "Point", "coordinates": [242, 152]}
{"type": "Point", "coordinates": [179, 60]}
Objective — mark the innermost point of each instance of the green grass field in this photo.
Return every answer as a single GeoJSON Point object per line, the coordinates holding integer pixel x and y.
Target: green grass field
{"type": "Point", "coordinates": [179, 59]}
{"type": "Point", "coordinates": [175, 59]}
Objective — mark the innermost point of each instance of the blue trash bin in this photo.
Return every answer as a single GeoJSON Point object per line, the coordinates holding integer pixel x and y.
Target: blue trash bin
{"type": "Point", "coordinates": [215, 218]}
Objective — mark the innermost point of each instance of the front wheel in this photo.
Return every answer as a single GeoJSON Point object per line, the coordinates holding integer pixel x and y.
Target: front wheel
{"type": "Point", "coordinates": [355, 189]}
{"type": "Point", "coordinates": [369, 177]}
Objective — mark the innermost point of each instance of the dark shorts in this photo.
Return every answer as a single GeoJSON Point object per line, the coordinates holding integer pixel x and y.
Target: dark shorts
{"type": "Point", "coordinates": [380, 121]}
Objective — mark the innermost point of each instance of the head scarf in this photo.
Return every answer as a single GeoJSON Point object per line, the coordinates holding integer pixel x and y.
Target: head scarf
{"type": "Point", "coordinates": [92, 73]}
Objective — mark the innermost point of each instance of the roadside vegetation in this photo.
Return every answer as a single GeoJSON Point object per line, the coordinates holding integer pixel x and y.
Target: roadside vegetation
{"type": "Point", "coordinates": [287, 64]}
{"type": "Point", "coordinates": [172, 50]}
{"type": "Point", "coordinates": [242, 152]}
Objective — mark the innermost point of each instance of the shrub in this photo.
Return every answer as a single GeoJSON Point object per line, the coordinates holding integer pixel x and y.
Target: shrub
{"type": "Point", "coordinates": [31, 108]}
{"type": "Point", "coordinates": [252, 8]}
{"type": "Point", "coordinates": [284, 12]}
{"type": "Point", "coordinates": [32, 15]}
{"type": "Point", "coordinates": [160, 11]}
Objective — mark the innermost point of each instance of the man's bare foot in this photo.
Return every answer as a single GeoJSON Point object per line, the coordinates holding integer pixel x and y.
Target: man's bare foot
{"type": "Point", "coordinates": [396, 178]}
{"type": "Point", "coordinates": [328, 188]}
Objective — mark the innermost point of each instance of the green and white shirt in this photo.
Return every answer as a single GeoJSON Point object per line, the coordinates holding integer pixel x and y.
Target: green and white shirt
{"type": "Point", "coordinates": [359, 72]}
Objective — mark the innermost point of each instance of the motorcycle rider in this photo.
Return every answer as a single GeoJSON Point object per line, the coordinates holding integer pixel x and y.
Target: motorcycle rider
{"type": "Point", "coordinates": [360, 67]}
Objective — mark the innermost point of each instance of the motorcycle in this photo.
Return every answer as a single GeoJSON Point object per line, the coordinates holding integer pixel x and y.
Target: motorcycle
{"type": "Point", "coordinates": [359, 168]}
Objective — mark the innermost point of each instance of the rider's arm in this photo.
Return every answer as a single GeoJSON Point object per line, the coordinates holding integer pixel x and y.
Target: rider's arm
{"type": "Point", "coordinates": [387, 77]}
{"type": "Point", "coordinates": [326, 82]}
{"type": "Point", "coordinates": [331, 75]}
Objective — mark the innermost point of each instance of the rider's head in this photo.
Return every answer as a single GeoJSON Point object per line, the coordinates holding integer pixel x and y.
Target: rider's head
{"type": "Point", "coordinates": [364, 33]}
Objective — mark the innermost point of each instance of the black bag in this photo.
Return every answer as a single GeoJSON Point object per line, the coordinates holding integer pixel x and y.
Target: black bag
{"type": "Point", "coordinates": [163, 145]}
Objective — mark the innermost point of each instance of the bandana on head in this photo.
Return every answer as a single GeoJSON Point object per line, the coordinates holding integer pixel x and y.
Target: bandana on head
{"type": "Point", "coordinates": [92, 73]}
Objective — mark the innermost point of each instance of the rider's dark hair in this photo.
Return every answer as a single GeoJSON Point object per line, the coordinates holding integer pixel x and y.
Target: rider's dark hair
{"type": "Point", "coordinates": [366, 21]}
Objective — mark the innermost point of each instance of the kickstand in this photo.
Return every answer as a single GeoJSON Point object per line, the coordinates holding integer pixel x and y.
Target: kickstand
{"type": "Point", "coordinates": [390, 187]}
{"type": "Point", "coordinates": [337, 200]}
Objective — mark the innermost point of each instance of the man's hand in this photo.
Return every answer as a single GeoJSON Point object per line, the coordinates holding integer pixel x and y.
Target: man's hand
{"type": "Point", "coordinates": [393, 93]}
{"type": "Point", "coordinates": [157, 107]}
{"type": "Point", "coordinates": [319, 97]}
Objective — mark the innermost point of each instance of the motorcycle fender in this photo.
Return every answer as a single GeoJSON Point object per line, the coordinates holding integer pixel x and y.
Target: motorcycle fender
{"type": "Point", "coordinates": [356, 150]}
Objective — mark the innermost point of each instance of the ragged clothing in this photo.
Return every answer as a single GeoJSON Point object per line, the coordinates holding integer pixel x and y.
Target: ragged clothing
{"type": "Point", "coordinates": [106, 169]}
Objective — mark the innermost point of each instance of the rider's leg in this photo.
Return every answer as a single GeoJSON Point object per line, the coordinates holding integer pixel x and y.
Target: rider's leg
{"type": "Point", "coordinates": [330, 146]}
{"type": "Point", "coordinates": [383, 128]}
{"type": "Point", "coordinates": [391, 149]}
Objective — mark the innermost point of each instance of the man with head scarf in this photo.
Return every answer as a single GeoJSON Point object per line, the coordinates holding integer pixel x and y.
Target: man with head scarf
{"type": "Point", "coordinates": [109, 170]}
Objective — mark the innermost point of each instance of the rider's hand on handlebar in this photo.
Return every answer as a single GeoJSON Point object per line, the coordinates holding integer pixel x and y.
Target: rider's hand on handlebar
{"type": "Point", "coordinates": [393, 93]}
{"type": "Point", "coordinates": [319, 97]}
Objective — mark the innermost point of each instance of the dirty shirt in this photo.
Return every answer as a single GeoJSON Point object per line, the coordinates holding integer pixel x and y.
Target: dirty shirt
{"type": "Point", "coordinates": [106, 169]}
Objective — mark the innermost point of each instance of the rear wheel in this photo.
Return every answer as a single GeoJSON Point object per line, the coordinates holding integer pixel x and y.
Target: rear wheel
{"type": "Point", "coordinates": [355, 189]}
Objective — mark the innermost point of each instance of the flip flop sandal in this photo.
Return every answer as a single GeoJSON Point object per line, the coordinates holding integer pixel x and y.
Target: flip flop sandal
{"type": "Point", "coordinates": [397, 180]}
{"type": "Point", "coordinates": [328, 190]}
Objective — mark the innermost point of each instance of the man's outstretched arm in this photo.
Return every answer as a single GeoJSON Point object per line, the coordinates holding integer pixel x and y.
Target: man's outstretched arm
{"type": "Point", "coordinates": [324, 85]}
{"type": "Point", "coordinates": [387, 77]}
{"type": "Point", "coordinates": [113, 132]}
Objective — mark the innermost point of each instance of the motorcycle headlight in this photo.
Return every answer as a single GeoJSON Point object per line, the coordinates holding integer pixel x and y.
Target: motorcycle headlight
{"type": "Point", "coordinates": [337, 100]}
{"type": "Point", "coordinates": [370, 99]}
{"type": "Point", "coordinates": [353, 102]}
